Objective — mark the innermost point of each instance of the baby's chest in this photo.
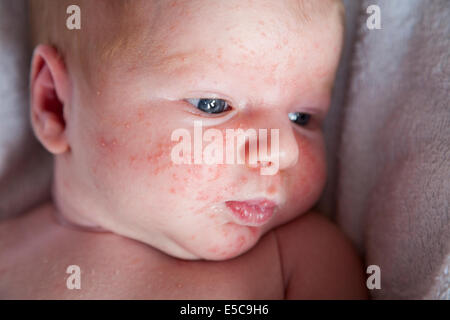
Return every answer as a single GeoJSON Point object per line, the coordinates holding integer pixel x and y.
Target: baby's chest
{"type": "Point", "coordinates": [138, 274]}
{"type": "Point", "coordinates": [256, 276]}
{"type": "Point", "coordinates": [235, 282]}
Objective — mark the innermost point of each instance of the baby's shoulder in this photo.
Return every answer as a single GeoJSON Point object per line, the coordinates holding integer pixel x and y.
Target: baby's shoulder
{"type": "Point", "coordinates": [30, 229]}
{"type": "Point", "coordinates": [36, 253]}
{"type": "Point", "coordinates": [311, 228]}
{"type": "Point", "coordinates": [319, 260]}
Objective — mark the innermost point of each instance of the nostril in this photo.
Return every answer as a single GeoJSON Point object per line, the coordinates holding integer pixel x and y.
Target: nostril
{"type": "Point", "coordinates": [264, 164]}
{"type": "Point", "coordinates": [260, 164]}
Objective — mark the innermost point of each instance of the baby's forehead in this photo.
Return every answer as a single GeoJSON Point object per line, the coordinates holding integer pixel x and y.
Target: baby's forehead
{"type": "Point", "coordinates": [161, 28]}
{"type": "Point", "coordinates": [173, 17]}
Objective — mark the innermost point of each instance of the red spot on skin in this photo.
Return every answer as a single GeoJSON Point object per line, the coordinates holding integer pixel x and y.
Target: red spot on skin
{"type": "Point", "coordinates": [224, 254]}
{"type": "Point", "coordinates": [141, 115]}
{"type": "Point", "coordinates": [177, 188]}
{"type": "Point", "coordinates": [240, 242]}
{"type": "Point", "coordinates": [236, 247]}
{"type": "Point", "coordinates": [237, 184]}
{"type": "Point", "coordinates": [272, 189]}
{"type": "Point", "coordinates": [261, 22]}
{"type": "Point", "coordinates": [102, 142]}
{"type": "Point", "coordinates": [159, 159]}
{"type": "Point", "coordinates": [213, 249]}
{"type": "Point", "coordinates": [218, 198]}
{"type": "Point", "coordinates": [202, 196]}
{"type": "Point", "coordinates": [274, 67]}
{"type": "Point", "coordinates": [132, 159]}
{"type": "Point", "coordinates": [215, 172]}
{"type": "Point", "coordinates": [225, 233]}
{"type": "Point", "coordinates": [153, 157]}
{"type": "Point", "coordinates": [219, 53]}
{"type": "Point", "coordinates": [107, 145]}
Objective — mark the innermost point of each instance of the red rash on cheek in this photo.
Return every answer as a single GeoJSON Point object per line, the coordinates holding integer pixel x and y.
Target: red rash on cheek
{"type": "Point", "coordinates": [202, 196]}
{"type": "Point", "coordinates": [237, 184]}
{"type": "Point", "coordinates": [107, 144]}
{"type": "Point", "coordinates": [108, 151]}
{"type": "Point", "coordinates": [159, 158]}
{"type": "Point", "coordinates": [154, 161]}
{"type": "Point", "coordinates": [214, 173]}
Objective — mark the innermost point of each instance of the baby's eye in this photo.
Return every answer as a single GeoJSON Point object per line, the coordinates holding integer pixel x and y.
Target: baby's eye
{"type": "Point", "coordinates": [300, 118]}
{"type": "Point", "coordinates": [210, 105]}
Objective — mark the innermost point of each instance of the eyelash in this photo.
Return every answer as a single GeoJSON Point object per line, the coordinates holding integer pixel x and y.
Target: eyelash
{"type": "Point", "coordinates": [210, 106]}
{"type": "Point", "coordinates": [300, 118]}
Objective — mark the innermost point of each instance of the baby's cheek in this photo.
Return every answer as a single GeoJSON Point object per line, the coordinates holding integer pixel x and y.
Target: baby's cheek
{"type": "Point", "coordinates": [151, 160]}
{"type": "Point", "coordinates": [205, 183]}
{"type": "Point", "coordinates": [119, 158]}
{"type": "Point", "coordinates": [310, 173]}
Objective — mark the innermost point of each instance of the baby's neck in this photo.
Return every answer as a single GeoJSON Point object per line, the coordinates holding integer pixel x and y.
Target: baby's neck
{"type": "Point", "coordinates": [63, 221]}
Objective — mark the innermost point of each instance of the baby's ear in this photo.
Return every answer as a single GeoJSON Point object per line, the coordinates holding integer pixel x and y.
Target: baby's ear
{"type": "Point", "coordinates": [49, 91]}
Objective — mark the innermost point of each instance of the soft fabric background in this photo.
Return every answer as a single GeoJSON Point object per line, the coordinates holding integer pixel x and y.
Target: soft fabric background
{"type": "Point", "coordinates": [388, 140]}
{"type": "Point", "coordinates": [393, 185]}
{"type": "Point", "coordinates": [25, 168]}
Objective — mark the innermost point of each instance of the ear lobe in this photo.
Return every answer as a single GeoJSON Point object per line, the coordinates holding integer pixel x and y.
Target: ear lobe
{"type": "Point", "coordinates": [48, 98]}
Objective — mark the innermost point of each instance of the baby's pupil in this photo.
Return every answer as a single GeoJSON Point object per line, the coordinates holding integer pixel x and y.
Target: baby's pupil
{"type": "Point", "coordinates": [212, 105]}
{"type": "Point", "coordinates": [300, 118]}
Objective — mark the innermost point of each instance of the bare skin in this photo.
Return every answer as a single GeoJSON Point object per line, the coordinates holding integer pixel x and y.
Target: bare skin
{"type": "Point", "coordinates": [35, 251]}
{"type": "Point", "coordinates": [108, 118]}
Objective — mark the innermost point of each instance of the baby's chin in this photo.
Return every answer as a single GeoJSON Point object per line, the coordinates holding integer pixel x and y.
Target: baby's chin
{"type": "Point", "coordinates": [232, 242]}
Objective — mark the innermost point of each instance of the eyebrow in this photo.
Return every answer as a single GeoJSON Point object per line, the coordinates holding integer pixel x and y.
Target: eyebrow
{"type": "Point", "coordinates": [174, 62]}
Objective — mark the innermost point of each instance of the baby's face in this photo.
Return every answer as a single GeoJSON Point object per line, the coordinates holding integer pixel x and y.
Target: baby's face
{"type": "Point", "coordinates": [272, 66]}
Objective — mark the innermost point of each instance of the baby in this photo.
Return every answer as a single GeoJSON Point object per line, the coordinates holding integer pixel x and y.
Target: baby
{"type": "Point", "coordinates": [115, 100]}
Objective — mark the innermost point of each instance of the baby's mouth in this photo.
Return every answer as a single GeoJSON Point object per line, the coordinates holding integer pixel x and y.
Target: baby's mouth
{"type": "Point", "coordinates": [252, 212]}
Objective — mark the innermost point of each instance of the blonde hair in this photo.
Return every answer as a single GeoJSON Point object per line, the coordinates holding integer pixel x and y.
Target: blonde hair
{"type": "Point", "coordinates": [99, 37]}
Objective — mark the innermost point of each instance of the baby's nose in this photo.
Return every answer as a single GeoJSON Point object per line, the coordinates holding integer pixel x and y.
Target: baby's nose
{"type": "Point", "coordinates": [273, 148]}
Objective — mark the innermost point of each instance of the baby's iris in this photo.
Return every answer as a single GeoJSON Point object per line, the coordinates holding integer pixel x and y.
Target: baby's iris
{"type": "Point", "coordinates": [210, 105]}
{"type": "Point", "coordinates": [300, 118]}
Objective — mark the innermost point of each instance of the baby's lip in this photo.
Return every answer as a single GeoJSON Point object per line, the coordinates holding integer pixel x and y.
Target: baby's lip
{"type": "Point", "coordinates": [254, 212]}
